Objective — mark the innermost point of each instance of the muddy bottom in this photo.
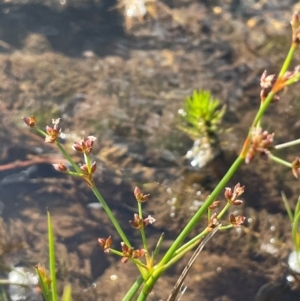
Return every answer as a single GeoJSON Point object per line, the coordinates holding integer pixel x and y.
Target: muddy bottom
{"type": "Point", "coordinates": [123, 80]}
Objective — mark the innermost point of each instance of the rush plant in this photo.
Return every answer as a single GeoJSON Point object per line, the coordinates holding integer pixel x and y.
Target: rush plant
{"type": "Point", "coordinates": [258, 143]}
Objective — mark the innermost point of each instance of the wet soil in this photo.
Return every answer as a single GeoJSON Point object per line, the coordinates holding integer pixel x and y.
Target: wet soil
{"type": "Point", "coordinates": [77, 60]}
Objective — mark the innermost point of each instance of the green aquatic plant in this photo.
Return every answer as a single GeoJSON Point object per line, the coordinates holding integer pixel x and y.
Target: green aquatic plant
{"type": "Point", "coordinates": [294, 257]}
{"type": "Point", "coordinates": [48, 283]}
{"type": "Point", "coordinates": [201, 115]}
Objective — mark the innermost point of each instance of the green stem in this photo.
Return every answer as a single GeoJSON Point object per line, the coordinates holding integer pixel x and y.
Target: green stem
{"type": "Point", "coordinates": [87, 161]}
{"type": "Point", "coordinates": [111, 216]}
{"type": "Point", "coordinates": [288, 60]}
{"type": "Point", "coordinates": [133, 290]}
{"type": "Point", "coordinates": [191, 242]}
{"type": "Point", "coordinates": [297, 206]}
{"type": "Point", "coordinates": [68, 157]}
{"type": "Point", "coordinates": [287, 144]}
{"type": "Point", "coordinates": [157, 248]}
{"type": "Point", "coordinates": [280, 161]}
{"type": "Point", "coordinates": [295, 236]}
{"type": "Point", "coordinates": [287, 207]}
{"type": "Point", "coordinates": [142, 230]}
{"type": "Point", "coordinates": [226, 227]}
{"type": "Point", "coordinates": [220, 215]}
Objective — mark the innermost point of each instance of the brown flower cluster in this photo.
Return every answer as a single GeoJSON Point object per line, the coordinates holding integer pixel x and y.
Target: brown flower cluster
{"type": "Point", "coordinates": [295, 23]}
{"type": "Point", "coordinates": [84, 145]}
{"type": "Point", "coordinates": [53, 132]}
{"type": "Point", "coordinates": [231, 196]}
{"type": "Point", "coordinates": [105, 243]}
{"type": "Point", "coordinates": [266, 84]}
{"type": "Point", "coordinates": [140, 223]}
{"type": "Point", "coordinates": [261, 142]}
{"type": "Point", "coordinates": [30, 121]}
{"type": "Point", "coordinates": [140, 197]}
{"type": "Point", "coordinates": [236, 221]}
{"type": "Point", "coordinates": [296, 167]}
{"type": "Point", "coordinates": [131, 253]}
{"type": "Point", "coordinates": [127, 252]}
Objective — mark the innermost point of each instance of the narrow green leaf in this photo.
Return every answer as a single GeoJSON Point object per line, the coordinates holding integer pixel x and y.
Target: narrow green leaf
{"type": "Point", "coordinates": [52, 258]}
{"type": "Point", "coordinates": [287, 207]}
{"type": "Point", "coordinates": [67, 293]}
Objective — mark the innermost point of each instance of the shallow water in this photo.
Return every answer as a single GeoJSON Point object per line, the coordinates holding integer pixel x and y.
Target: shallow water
{"type": "Point", "coordinates": [77, 61]}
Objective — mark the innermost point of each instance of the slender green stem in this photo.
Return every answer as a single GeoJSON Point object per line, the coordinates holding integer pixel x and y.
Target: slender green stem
{"type": "Point", "coordinates": [111, 216]}
{"type": "Point", "coordinates": [8, 282]}
{"type": "Point", "coordinates": [142, 230]}
{"type": "Point", "coordinates": [52, 258]}
{"type": "Point", "coordinates": [297, 209]}
{"type": "Point", "coordinates": [261, 111]}
{"type": "Point", "coordinates": [133, 290]}
{"type": "Point", "coordinates": [280, 161]}
{"type": "Point", "coordinates": [40, 131]}
{"type": "Point", "coordinates": [87, 161]}
{"type": "Point", "coordinates": [157, 248]}
{"type": "Point", "coordinates": [191, 242]}
{"type": "Point", "coordinates": [220, 215]}
{"type": "Point", "coordinates": [293, 80]}
{"type": "Point", "coordinates": [295, 233]}
{"type": "Point", "coordinates": [287, 144]}
{"type": "Point", "coordinates": [226, 227]}
{"type": "Point", "coordinates": [68, 157]}
{"type": "Point", "coordinates": [287, 207]}
{"type": "Point", "coordinates": [288, 60]}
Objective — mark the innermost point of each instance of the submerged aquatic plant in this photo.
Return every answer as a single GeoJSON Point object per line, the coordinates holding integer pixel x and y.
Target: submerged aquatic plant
{"type": "Point", "coordinates": [201, 119]}
{"type": "Point", "coordinates": [201, 115]}
{"type": "Point", "coordinates": [294, 257]}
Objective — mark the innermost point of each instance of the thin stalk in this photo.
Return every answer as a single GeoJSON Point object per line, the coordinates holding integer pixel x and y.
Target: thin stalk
{"type": "Point", "coordinates": [52, 258]}
{"type": "Point", "coordinates": [226, 227]}
{"type": "Point", "coordinates": [178, 256]}
{"type": "Point", "coordinates": [87, 161]}
{"type": "Point", "coordinates": [142, 230]}
{"type": "Point", "coordinates": [157, 248]}
{"type": "Point", "coordinates": [288, 59]}
{"type": "Point", "coordinates": [111, 216]}
{"type": "Point", "coordinates": [287, 207]}
{"type": "Point", "coordinates": [191, 242]}
{"type": "Point", "coordinates": [220, 215]}
{"type": "Point", "coordinates": [293, 80]}
{"type": "Point", "coordinates": [297, 206]}
{"type": "Point", "coordinates": [295, 236]}
{"type": "Point", "coordinates": [68, 157]}
{"type": "Point", "coordinates": [280, 161]}
{"type": "Point", "coordinates": [287, 144]}
{"type": "Point", "coordinates": [133, 290]}
{"type": "Point", "coordinates": [8, 282]}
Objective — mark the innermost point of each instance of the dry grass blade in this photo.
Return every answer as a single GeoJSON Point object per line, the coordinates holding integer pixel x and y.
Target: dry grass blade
{"type": "Point", "coordinates": [184, 273]}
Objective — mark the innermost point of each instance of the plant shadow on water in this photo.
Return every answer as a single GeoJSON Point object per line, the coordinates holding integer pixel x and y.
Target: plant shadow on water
{"type": "Point", "coordinates": [130, 97]}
